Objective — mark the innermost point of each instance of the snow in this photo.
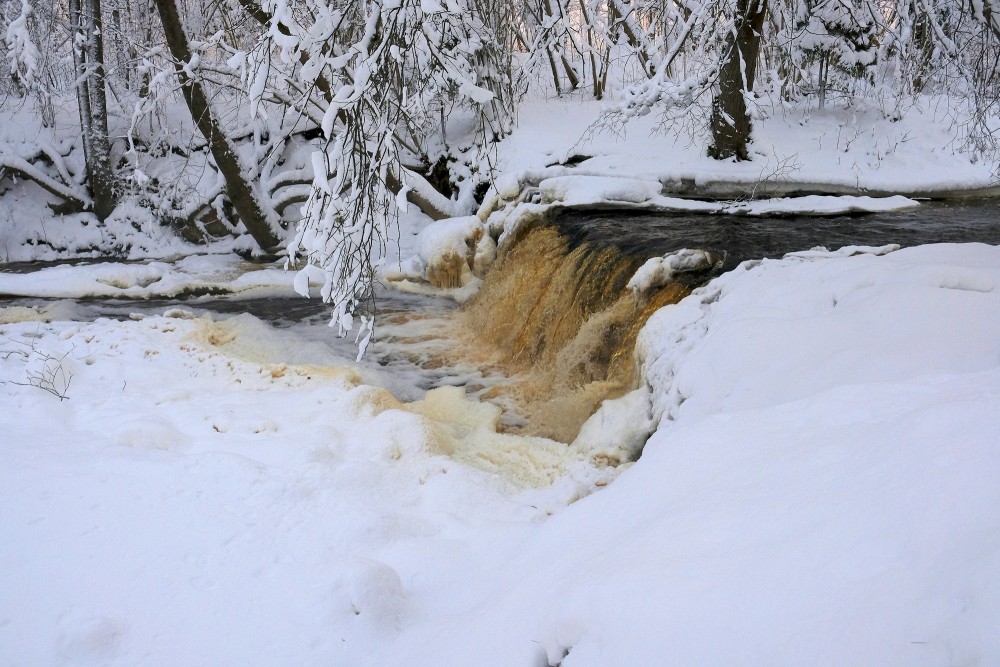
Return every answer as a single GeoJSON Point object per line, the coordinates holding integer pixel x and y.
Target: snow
{"type": "Point", "coordinates": [820, 487]}
{"type": "Point", "coordinates": [818, 433]}
{"type": "Point", "coordinates": [592, 189]}
{"type": "Point", "coordinates": [856, 151]}
{"type": "Point", "coordinates": [143, 280]}
{"type": "Point", "coordinates": [864, 320]}
{"type": "Point", "coordinates": [660, 271]}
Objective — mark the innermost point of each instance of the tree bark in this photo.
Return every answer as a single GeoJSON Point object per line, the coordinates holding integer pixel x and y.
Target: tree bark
{"type": "Point", "coordinates": [240, 191]}
{"type": "Point", "coordinates": [92, 99]}
{"type": "Point", "coordinates": [731, 123]}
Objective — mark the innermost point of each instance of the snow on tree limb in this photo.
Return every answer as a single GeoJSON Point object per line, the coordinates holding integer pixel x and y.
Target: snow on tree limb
{"type": "Point", "coordinates": [25, 169]}
{"type": "Point", "coordinates": [406, 59]}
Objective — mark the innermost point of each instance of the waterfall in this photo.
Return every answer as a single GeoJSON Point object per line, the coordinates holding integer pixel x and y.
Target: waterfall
{"type": "Point", "coordinates": [558, 319]}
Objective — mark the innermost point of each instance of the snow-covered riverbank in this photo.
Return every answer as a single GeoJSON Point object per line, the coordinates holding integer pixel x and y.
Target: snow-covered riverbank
{"type": "Point", "coordinates": [822, 492]}
{"type": "Point", "coordinates": [837, 151]}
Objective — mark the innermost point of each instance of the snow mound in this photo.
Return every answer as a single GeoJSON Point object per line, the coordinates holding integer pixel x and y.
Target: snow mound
{"type": "Point", "coordinates": [869, 315]}
{"type": "Point", "coordinates": [580, 190]}
{"type": "Point", "coordinates": [616, 433]}
{"type": "Point", "coordinates": [659, 271]}
{"type": "Point", "coordinates": [450, 254]}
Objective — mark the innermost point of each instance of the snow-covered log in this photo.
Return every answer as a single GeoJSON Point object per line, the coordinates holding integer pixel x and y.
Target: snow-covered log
{"type": "Point", "coordinates": [73, 198]}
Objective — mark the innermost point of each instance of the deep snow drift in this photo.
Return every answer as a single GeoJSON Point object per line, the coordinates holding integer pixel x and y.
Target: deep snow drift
{"type": "Point", "coordinates": [821, 490]}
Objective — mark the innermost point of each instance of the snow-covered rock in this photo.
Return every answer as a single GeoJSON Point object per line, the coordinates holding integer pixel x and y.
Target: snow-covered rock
{"type": "Point", "coordinates": [616, 433]}
{"type": "Point", "coordinates": [451, 253]}
{"type": "Point", "coordinates": [659, 271]}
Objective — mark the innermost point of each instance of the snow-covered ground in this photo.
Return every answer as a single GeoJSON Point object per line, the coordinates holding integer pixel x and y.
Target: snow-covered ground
{"type": "Point", "coordinates": [821, 489]}
{"type": "Point", "coordinates": [851, 150]}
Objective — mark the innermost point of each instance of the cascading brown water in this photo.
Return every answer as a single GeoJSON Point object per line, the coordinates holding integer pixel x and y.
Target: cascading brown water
{"type": "Point", "coordinates": [560, 321]}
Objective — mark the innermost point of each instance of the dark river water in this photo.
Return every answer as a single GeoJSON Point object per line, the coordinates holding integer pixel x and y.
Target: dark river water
{"type": "Point", "coordinates": [743, 237]}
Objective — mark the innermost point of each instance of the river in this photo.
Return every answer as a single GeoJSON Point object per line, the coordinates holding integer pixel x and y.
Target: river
{"type": "Point", "coordinates": [551, 333]}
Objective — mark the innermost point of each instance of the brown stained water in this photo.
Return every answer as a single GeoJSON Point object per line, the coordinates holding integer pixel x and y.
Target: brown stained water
{"type": "Point", "coordinates": [559, 321]}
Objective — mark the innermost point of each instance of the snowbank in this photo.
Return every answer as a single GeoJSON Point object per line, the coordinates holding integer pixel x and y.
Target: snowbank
{"type": "Point", "coordinates": [215, 274]}
{"type": "Point", "coordinates": [820, 489]}
{"type": "Point", "coordinates": [868, 315]}
{"type": "Point", "coordinates": [585, 190]}
{"type": "Point", "coordinates": [835, 151]}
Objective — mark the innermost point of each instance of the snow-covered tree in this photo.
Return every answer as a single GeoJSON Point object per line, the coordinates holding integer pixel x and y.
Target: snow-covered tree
{"type": "Point", "coordinates": [841, 34]}
{"type": "Point", "coordinates": [716, 45]}
{"type": "Point", "coordinates": [408, 65]}
{"type": "Point", "coordinates": [22, 55]}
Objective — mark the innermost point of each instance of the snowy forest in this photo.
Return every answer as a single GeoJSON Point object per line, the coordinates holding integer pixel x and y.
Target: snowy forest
{"type": "Point", "coordinates": [326, 118]}
{"type": "Point", "coordinates": [565, 333]}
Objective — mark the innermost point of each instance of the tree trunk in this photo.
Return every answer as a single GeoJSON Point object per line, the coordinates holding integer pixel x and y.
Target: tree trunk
{"type": "Point", "coordinates": [92, 99]}
{"type": "Point", "coordinates": [241, 193]}
{"type": "Point", "coordinates": [730, 122]}
{"type": "Point", "coordinates": [824, 73]}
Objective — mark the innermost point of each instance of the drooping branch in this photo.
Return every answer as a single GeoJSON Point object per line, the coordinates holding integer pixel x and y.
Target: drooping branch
{"type": "Point", "coordinates": [265, 19]}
